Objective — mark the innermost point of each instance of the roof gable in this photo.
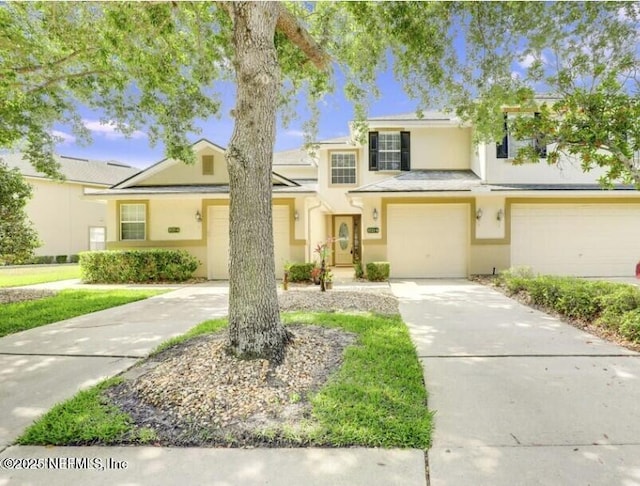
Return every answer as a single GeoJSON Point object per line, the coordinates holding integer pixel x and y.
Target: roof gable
{"type": "Point", "coordinates": [210, 169]}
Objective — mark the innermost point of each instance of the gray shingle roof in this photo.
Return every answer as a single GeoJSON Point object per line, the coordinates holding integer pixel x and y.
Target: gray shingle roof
{"type": "Point", "coordinates": [191, 189]}
{"type": "Point", "coordinates": [292, 157]}
{"type": "Point", "coordinates": [425, 180]}
{"type": "Point", "coordinates": [77, 170]}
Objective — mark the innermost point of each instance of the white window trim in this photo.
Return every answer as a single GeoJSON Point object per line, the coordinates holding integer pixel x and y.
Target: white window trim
{"type": "Point", "coordinates": [123, 221]}
{"type": "Point", "coordinates": [355, 169]}
{"type": "Point", "coordinates": [382, 164]}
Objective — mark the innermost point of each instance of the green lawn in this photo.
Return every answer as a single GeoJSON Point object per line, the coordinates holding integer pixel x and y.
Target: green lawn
{"type": "Point", "coordinates": [19, 316]}
{"type": "Point", "coordinates": [34, 274]}
{"type": "Point", "coordinates": [376, 399]}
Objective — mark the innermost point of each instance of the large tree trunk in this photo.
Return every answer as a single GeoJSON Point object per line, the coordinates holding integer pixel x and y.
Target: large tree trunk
{"type": "Point", "coordinates": [255, 329]}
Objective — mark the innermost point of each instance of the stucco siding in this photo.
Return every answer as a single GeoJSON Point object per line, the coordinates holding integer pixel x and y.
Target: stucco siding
{"type": "Point", "coordinates": [440, 148]}
{"type": "Point", "coordinates": [62, 217]}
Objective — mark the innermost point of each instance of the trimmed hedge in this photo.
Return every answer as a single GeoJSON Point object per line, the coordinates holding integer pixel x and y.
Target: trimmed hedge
{"type": "Point", "coordinates": [300, 272]}
{"type": "Point", "coordinates": [378, 271]}
{"type": "Point", "coordinates": [61, 258]}
{"type": "Point", "coordinates": [607, 304]}
{"type": "Point", "coordinates": [137, 266]}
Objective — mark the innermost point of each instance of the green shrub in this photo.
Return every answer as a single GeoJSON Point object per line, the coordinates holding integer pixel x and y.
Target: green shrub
{"type": "Point", "coordinates": [138, 266]}
{"type": "Point", "coordinates": [300, 272]}
{"type": "Point", "coordinates": [378, 271]}
{"type": "Point", "coordinates": [615, 304]}
{"type": "Point", "coordinates": [359, 271]}
{"type": "Point", "coordinates": [74, 258]}
{"type": "Point", "coordinates": [630, 325]}
{"type": "Point", "coordinates": [43, 260]}
{"type": "Point", "coordinates": [61, 258]}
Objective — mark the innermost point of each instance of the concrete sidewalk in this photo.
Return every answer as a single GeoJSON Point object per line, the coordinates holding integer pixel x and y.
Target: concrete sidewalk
{"type": "Point", "coordinates": [43, 366]}
{"type": "Point", "coordinates": [520, 397]}
{"type": "Point", "coordinates": [48, 364]}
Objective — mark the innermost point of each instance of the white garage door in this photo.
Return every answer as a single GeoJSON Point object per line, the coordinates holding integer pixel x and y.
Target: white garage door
{"type": "Point", "coordinates": [218, 240]}
{"type": "Point", "coordinates": [428, 240]}
{"type": "Point", "coordinates": [584, 240]}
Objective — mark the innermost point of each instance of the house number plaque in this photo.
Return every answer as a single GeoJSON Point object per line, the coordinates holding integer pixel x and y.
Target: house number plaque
{"type": "Point", "coordinates": [373, 230]}
{"type": "Point", "coordinates": [173, 229]}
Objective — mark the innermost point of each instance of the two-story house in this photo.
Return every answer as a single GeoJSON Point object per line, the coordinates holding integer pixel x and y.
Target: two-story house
{"type": "Point", "coordinates": [65, 221]}
{"type": "Point", "coordinates": [418, 194]}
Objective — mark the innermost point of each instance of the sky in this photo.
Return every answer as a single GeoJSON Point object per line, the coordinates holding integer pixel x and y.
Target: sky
{"type": "Point", "coordinates": [335, 114]}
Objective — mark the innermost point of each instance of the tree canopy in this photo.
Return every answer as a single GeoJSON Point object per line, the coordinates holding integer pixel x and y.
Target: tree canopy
{"type": "Point", "coordinates": [154, 66]}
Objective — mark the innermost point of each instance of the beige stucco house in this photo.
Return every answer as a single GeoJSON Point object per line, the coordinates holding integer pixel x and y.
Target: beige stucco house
{"type": "Point", "coordinates": [418, 194]}
{"type": "Point", "coordinates": [66, 222]}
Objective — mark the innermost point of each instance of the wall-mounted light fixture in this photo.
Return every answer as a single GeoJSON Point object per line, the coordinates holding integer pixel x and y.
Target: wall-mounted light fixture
{"type": "Point", "coordinates": [198, 216]}
{"type": "Point", "coordinates": [375, 214]}
{"type": "Point", "coordinates": [500, 214]}
{"type": "Point", "coordinates": [479, 214]}
{"type": "Point", "coordinates": [296, 216]}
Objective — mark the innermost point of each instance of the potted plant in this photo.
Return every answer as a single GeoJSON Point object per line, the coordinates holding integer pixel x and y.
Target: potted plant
{"type": "Point", "coordinates": [328, 280]}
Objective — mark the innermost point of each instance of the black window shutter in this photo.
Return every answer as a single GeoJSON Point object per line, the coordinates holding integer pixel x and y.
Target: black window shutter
{"type": "Point", "coordinates": [502, 149]}
{"type": "Point", "coordinates": [373, 150]}
{"type": "Point", "coordinates": [405, 151]}
{"type": "Point", "coordinates": [541, 146]}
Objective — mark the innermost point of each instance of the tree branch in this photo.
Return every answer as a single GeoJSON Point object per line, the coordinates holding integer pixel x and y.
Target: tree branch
{"type": "Point", "coordinates": [31, 69]}
{"type": "Point", "coordinates": [55, 80]}
{"type": "Point", "coordinates": [290, 26]}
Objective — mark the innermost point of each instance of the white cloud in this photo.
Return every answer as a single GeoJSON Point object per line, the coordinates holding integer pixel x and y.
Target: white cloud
{"type": "Point", "coordinates": [294, 133]}
{"type": "Point", "coordinates": [528, 60]}
{"type": "Point", "coordinates": [66, 138]}
{"type": "Point", "coordinates": [109, 130]}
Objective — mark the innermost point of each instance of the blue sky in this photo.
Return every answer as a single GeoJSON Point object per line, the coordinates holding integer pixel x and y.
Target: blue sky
{"type": "Point", "coordinates": [335, 114]}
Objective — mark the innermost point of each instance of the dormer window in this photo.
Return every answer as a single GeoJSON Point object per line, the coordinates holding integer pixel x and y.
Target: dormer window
{"type": "Point", "coordinates": [389, 151]}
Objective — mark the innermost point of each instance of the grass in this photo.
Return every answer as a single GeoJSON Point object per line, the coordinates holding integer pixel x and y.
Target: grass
{"type": "Point", "coordinates": [20, 316]}
{"type": "Point", "coordinates": [376, 399]}
{"type": "Point", "coordinates": [87, 419]}
{"type": "Point", "coordinates": [35, 274]}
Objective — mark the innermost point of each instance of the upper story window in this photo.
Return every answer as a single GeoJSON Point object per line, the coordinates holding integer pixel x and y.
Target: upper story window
{"type": "Point", "coordinates": [343, 168]}
{"type": "Point", "coordinates": [133, 221]}
{"type": "Point", "coordinates": [508, 148]}
{"type": "Point", "coordinates": [389, 151]}
{"type": "Point", "coordinates": [207, 165]}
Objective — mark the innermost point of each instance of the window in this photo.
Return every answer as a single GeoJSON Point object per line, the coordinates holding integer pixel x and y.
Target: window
{"type": "Point", "coordinates": [133, 221]}
{"type": "Point", "coordinates": [389, 151]}
{"type": "Point", "coordinates": [207, 165]}
{"type": "Point", "coordinates": [510, 145]}
{"type": "Point", "coordinates": [343, 168]}
{"type": "Point", "coordinates": [97, 238]}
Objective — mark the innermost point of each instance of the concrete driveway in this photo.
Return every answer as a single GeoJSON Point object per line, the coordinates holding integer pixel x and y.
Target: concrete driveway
{"type": "Point", "coordinates": [520, 397]}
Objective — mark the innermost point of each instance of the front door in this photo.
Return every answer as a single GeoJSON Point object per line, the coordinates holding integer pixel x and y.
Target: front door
{"type": "Point", "coordinates": [343, 233]}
